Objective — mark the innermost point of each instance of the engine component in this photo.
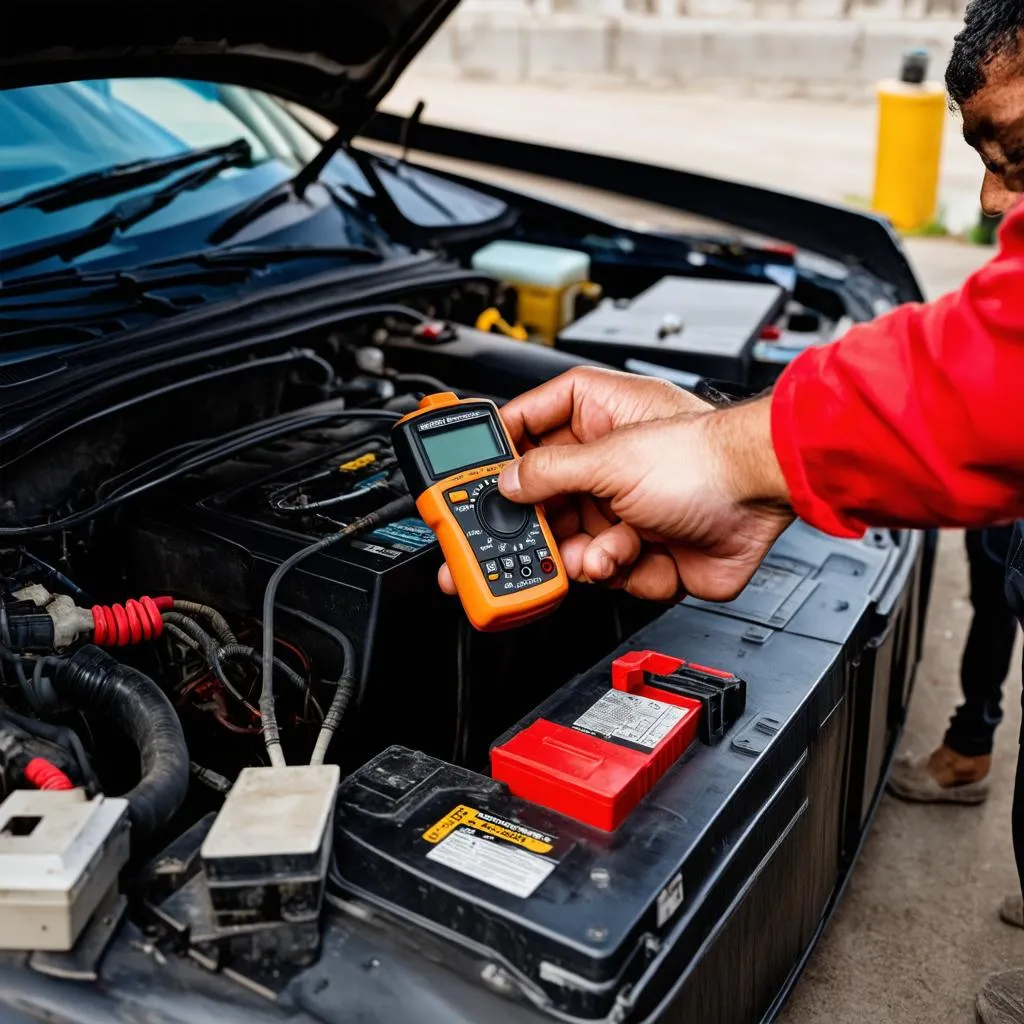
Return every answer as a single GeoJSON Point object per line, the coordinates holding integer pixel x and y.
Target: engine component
{"type": "Point", "coordinates": [502, 556]}
{"type": "Point", "coordinates": [547, 280]}
{"type": "Point", "coordinates": [690, 323]}
{"type": "Point", "coordinates": [118, 625]}
{"type": "Point", "coordinates": [92, 680]}
{"type": "Point", "coordinates": [60, 855]}
{"type": "Point", "coordinates": [44, 774]}
{"type": "Point", "coordinates": [24, 739]}
{"type": "Point", "coordinates": [33, 619]}
{"type": "Point", "coordinates": [265, 858]}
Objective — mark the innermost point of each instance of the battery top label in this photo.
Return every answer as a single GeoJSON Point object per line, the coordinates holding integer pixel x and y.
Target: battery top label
{"type": "Point", "coordinates": [630, 719]}
{"type": "Point", "coordinates": [491, 825]}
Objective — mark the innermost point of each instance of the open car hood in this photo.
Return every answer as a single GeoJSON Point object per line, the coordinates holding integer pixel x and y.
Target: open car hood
{"type": "Point", "coordinates": [337, 57]}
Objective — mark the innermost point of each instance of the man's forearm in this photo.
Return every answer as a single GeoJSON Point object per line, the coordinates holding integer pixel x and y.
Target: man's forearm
{"type": "Point", "coordinates": [744, 434]}
{"type": "Point", "coordinates": [913, 419]}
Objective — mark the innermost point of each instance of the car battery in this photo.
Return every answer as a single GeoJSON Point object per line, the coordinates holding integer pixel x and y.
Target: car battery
{"type": "Point", "coordinates": [599, 752]}
{"type": "Point", "coordinates": [571, 906]}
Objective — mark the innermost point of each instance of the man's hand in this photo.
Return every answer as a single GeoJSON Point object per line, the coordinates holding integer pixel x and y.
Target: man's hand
{"type": "Point", "coordinates": [647, 488]}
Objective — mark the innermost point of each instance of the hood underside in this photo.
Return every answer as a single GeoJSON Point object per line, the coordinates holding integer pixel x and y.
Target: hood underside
{"type": "Point", "coordinates": [338, 57]}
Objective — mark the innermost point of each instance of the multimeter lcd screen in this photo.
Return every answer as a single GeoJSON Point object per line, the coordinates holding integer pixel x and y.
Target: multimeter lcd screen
{"type": "Point", "coordinates": [464, 446]}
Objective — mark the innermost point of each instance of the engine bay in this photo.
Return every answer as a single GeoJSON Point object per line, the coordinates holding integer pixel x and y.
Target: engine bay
{"type": "Point", "coordinates": [227, 559]}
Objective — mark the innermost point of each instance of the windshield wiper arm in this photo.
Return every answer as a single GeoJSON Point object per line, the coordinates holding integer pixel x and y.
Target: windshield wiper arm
{"type": "Point", "coordinates": [294, 187]}
{"type": "Point", "coordinates": [124, 215]}
{"type": "Point", "coordinates": [84, 188]}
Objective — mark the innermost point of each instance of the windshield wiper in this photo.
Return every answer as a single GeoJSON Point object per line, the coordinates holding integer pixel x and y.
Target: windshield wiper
{"type": "Point", "coordinates": [294, 187]}
{"type": "Point", "coordinates": [84, 188]}
{"type": "Point", "coordinates": [124, 215]}
{"type": "Point", "coordinates": [235, 262]}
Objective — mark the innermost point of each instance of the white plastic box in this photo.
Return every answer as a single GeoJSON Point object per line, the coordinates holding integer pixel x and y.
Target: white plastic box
{"type": "Point", "coordinates": [60, 854]}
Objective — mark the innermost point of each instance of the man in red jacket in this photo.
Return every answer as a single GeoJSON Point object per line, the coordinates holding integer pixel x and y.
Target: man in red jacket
{"type": "Point", "coordinates": [909, 421]}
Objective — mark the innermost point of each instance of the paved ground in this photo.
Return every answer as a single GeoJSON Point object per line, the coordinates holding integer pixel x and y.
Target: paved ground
{"type": "Point", "coordinates": [819, 149]}
{"type": "Point", "coordinates": [917, 930]}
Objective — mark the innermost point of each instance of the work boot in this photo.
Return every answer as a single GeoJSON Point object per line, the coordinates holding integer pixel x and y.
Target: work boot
{"type": "Point", "coordinates": [944, 777]}
{"type": "Point", "coordinates": [1012, 910]}
{"type": "Point", "coordinates": [1001, 999]}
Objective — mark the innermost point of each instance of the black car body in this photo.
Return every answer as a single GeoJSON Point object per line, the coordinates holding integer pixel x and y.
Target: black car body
{"type": "Point", "coordinates": [176, 399]}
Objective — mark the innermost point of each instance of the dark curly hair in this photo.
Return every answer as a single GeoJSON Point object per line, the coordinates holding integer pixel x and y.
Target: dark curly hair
{"type": "Point", "coordinates": [991, 29]}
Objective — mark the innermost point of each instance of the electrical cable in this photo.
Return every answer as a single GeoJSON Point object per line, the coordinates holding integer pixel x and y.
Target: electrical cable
{"type": "Point", "coordinates": [62, 736]}
{"type": "Point", "coordinates": [267, 431]}
{"type": "Point", "coordinates": [344, 687]}
{"type": "Point", "coordinates": [462, 691]}
{"type": "Point", "coordinates": [218, 623]}
{"type": "Point", "coordinates": [208, 777]}
{"type": "Point", "coordinates": [279, 505]}
{"type": "Point", "coordinates": [432, 384]}
{"type": "Point", "coordinates": [271, 733]}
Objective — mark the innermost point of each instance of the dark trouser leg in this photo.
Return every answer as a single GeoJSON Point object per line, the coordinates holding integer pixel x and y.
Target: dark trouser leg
{"type": "Point", "coordinates": [986, 658]}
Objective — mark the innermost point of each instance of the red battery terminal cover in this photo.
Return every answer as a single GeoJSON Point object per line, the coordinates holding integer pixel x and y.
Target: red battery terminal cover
{"type": "Point", "coordinates": [601, 760]}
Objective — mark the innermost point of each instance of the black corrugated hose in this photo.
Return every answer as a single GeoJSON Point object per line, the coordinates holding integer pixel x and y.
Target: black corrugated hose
{"type": "Point", "coordinates": [91, 680]}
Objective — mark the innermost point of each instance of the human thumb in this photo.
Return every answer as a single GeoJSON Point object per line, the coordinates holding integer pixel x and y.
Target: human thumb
{"type": "Point", "coordinates": [550, 470]}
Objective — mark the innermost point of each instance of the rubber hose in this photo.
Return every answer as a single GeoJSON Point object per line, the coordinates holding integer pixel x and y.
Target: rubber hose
{"type": "Point", "coordinates": [91, 680]}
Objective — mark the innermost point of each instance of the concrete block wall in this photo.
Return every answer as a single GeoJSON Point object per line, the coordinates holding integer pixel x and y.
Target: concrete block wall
{"type": "Point", "coordinates": [813, 48]}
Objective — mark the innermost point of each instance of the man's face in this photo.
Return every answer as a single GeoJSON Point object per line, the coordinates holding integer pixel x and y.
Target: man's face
{"type": "Point", "coordinates": [994, 126]}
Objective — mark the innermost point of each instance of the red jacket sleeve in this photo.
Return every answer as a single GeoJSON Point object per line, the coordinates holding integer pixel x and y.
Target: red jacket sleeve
{"type": "Point", "coordinates": [917, 418]}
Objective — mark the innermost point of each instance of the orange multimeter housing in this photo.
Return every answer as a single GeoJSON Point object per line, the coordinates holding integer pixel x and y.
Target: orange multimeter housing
{"type": "Point", "coordinates": [502, 555]}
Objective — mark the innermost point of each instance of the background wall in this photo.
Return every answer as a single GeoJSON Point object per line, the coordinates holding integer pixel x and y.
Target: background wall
{"type": "Point", "coordinates": [835, 49]}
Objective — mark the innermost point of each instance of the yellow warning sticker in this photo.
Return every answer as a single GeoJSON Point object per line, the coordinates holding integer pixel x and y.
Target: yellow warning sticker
{"type": "Point", "coordinates": [512, 832]}
{"type": "Point", "coordinates": [358, 463]}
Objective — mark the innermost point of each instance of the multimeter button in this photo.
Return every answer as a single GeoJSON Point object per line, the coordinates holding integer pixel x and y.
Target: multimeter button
{"type": "Point", "coordinates": [543, 553]}
{"type": "Point", "coordinates": [508, 563]}
{"type": "Point", "coordinates": [490, 567]}
{"type": "Point", "coordinates": [525, 560]}
{"type": "Point", "coordinates": [457, 497]}
{"type": "Point", "coordinates": [441, 398]}
{"type": "Point", "coordinates": [492, 576]}
{"type": "Point", "coordinates": [501, 516]}
{"type": "Point", "coordinates": [547, 566]}
{"type": "Point", "coordinates": [526, 571]}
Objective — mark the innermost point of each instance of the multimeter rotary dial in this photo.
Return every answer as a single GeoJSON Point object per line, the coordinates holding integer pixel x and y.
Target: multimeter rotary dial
{"type": "Point", "coordinates": [499, 516]}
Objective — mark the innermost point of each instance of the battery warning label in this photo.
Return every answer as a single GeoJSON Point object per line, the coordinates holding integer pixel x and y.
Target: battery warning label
{"type": "Point", "coordinates": [494, 850]}
{"type": "Point", "coordinates": [630, 719]}
{"type": "Point", "coordinates": [489, 824]}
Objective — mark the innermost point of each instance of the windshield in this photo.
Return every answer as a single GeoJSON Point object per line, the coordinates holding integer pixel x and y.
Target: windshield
{"type": "Point", "coordinates": [52, 132]}
{"type": "Point", "coordinates": [124, 172]}
{"type": "Point", "coordinates": [123, 201]}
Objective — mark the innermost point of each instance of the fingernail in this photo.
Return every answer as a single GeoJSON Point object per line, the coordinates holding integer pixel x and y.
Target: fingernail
{"type": "Point", "coordinates": [606, 564]}
{"type": "Point", "coordinates": [508, 482]}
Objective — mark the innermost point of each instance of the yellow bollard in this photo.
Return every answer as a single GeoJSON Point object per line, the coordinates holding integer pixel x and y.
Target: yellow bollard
{"type": "Point", "coordinates": [911, 120]}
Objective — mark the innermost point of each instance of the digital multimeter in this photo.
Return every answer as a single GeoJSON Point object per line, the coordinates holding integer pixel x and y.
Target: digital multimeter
{"type": "Point", "coordinates": [501, 554]}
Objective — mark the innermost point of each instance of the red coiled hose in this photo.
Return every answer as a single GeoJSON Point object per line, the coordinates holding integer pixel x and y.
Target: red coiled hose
{"type": "Point", "coordinates": [116, 625]}
{"type": "Point", "coordinates": [43, 775]}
